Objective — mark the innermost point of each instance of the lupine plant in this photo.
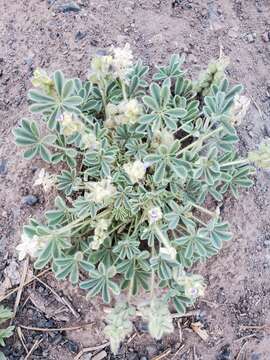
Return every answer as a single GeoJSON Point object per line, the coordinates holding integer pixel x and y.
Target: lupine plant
{"type": "Point", "coordinates": [140, 158]}
{"type": "Point", "coordinates": [6, 332]}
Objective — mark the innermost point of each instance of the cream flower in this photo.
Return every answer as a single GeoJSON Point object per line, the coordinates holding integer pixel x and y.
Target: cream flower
{"type": "Point", "coordinates": [100, 68]}
{"type": "Point", "coordinates": [100, 233]}
{"type": "Point", "coordinates": [163, 137]}
{"type": "Point", "coordinates": [135, 170]}
{"type": "Point", "coordinates": [70, 124]}
{"type": "Point", "coordinates": [89, 141]}
{"type": "Point", "coordinates": [154, 215]}
{"type": "Point", "coordinates": [42, 80]}
{"type": "Point", "coordinates": [122, 61]}
{"type": "Point", "coordinates": [170, 252]}
{"type": "Point", "coordinates": [30, 246]}
{"type": "Point", "coordinates": [45, 179]}
{"type": "Point", "coordinates": [239, 109]}
{"type": "Point", "coordinates": [126, 112]}
{"type": "Point", "coordinates": [100, 191]}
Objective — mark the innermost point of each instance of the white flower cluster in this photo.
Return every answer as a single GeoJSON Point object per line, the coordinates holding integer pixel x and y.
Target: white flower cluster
{"type": "Point", "coordinates": [168, 251]}
{"type": "Point", "coordinates": [126, 112]}
{"type": "Point", "coordinates": [100, 233]}
{"type": "Point", "coordinates": [163, 137]}
{"type": "Point", "coordinates": [239, 109]}
{"type": "Point", "coordinates": [70, 124]}
{"type": "Point", "coordinates": [122, 61]}
{"type": "Point", "coordinates": [43, 81]}
{"type": "Point", "coordinates": [135, 170]}
{"type": "Point", "coordinates": [100, 68]}
{"type": "Point", "coordinates": [44, 179]}
{"type": "Point", "coordinates": [89, 141]}
{"type": "Point", "coordinates": [30, 246]}
{"type": "Point", "coordinates": [100, 191]}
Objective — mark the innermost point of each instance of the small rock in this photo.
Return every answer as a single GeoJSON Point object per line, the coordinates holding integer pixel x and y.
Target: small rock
{"type": "Point", "coordinates": [30, 200]}
{"type": "Point", "coordinates": [132, 356]}
{"type": "Point", "coordinates": [3, 167]}
{"type": "Point", "coordinates": [143, 358]}
{"type": "Point", "coordinates": [151, 350]}
{"type": "Point", "coordinates": [57, 339]}
{"type": "Point", "coordinates": [72, 346]}
{"type": "Point", "coordinates": [266, 36]}
{"type": "Point", "coordinates": [225, 353]}
{"type": "Point", "coordinates": [68, 7]}
{"type": "Point", "coordinates": [255, 356]}
{"type": "Point", "coordinates": [80, 35]}
{"type": "Point", "coordinates": [251, 38]}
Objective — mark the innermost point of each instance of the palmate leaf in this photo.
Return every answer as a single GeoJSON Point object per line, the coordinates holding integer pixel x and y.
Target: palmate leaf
{"type": "Point", "coordinates": [84, 207]}
{"type": "Point", "coordinates": [53, 248]}
{"type": "Point", "coordinates": [208, 168]}
{"type": "Point", "coordinates": [162, 114]}
{"type": "Point", "coordinates": [61, 215]}
{"type": "Point", "coordinates": [69, 266]}
{"type": "Point", "coordinates": [217, 232]}
{"type": "Point", "coordinates": [163, 265]}
{"type": "Point", "coordinates": [67, 181]}
{"type": "Point", "coordinates": [194, 243]}
{"type": "Point", "coordinates": [5, 314]}
{"type": "Point", "coordinates": [100, 282]}
{"type": "Point", "coordinates": [127, 248]}
{"type": "Point", "coordinates": [28, 135]}
{"type": "Point", "coordinates": [167, 159]}
{"type": "Point", "coordinates": [176, 293]}
{"type": "Point", "coordinates": [64, 98]}
{"type": "Point", "coordinates": [104, 254]}
{"type": "Point", "coordinates": [99, 161]}
{"type": "Point", "coordinates": [5, 333]}
{"type": "Point", "coordinates": [173, 70]}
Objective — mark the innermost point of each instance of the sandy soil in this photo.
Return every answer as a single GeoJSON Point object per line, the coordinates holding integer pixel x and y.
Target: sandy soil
{"type": "Point", "coordinates": [34, 33]}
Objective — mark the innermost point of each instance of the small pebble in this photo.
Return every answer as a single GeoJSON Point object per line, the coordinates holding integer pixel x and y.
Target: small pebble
{"type": "Point", "coordinates": [225, 353]}
{"type": "Point", "coordinates": [30, 200]}
{"type": "Point", "coordinates": [266, 36]}
{"type": "Point", "coordinates": [250, 38]}
{"type": "Point", "coordinates": [68, 7]}
{"type": "Point", "coordinates": [80, 35]}
{"type": "Point", "coordinates": [72, 346]}
{"type": "Point", "coordinates": [3, 167]}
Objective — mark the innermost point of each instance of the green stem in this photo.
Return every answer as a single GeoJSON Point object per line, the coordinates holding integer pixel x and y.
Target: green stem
{"type": "Point", "coordinates": [153, 252]}
{"type": "Point", "coordinates": [199, 141]}
{"type": "Point", "coordinates": [123, 86]}
{"type": "Point", "coordinates": [236, 162]}
{"type": "Point", "coordinates": [198, 220]}
{"type": "Point", "coordinates": [165, 241]}
{"type": "Point", "coordinates": [64, 149]}
{"type": "Point", "coordinates": [208, 212]}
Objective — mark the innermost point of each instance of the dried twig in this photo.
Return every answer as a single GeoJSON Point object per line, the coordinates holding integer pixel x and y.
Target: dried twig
{"type": "Point", "coordinates": [91, 349]}
{"type": "Point", "coordinates": [33, 348]}
{"type": "Point", "coordinates": [131, 338]}
{"type": "Point", "coordinates": [255, 327]}
{"type": "Point", "coordinates": [70, 306]}
{"type": "Point", "coordinates": [22, 339]}
{"type": "Point", "coordinates": [178, 351]}
{"type": "Point", "coordinates": [257, 107]}
{"type": "Point", "coordinates": [21, 286]}
{"type": "Point", "coordinates": [163, 355]}
{"type": "Point", "coordinates": [55, 329]}
{"type": "Point", "coordinates": [241, 351]}
{"type": "Point", "coordinates": [25, 284]}
{"type": "Point", "coordinates": [245, 337]}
